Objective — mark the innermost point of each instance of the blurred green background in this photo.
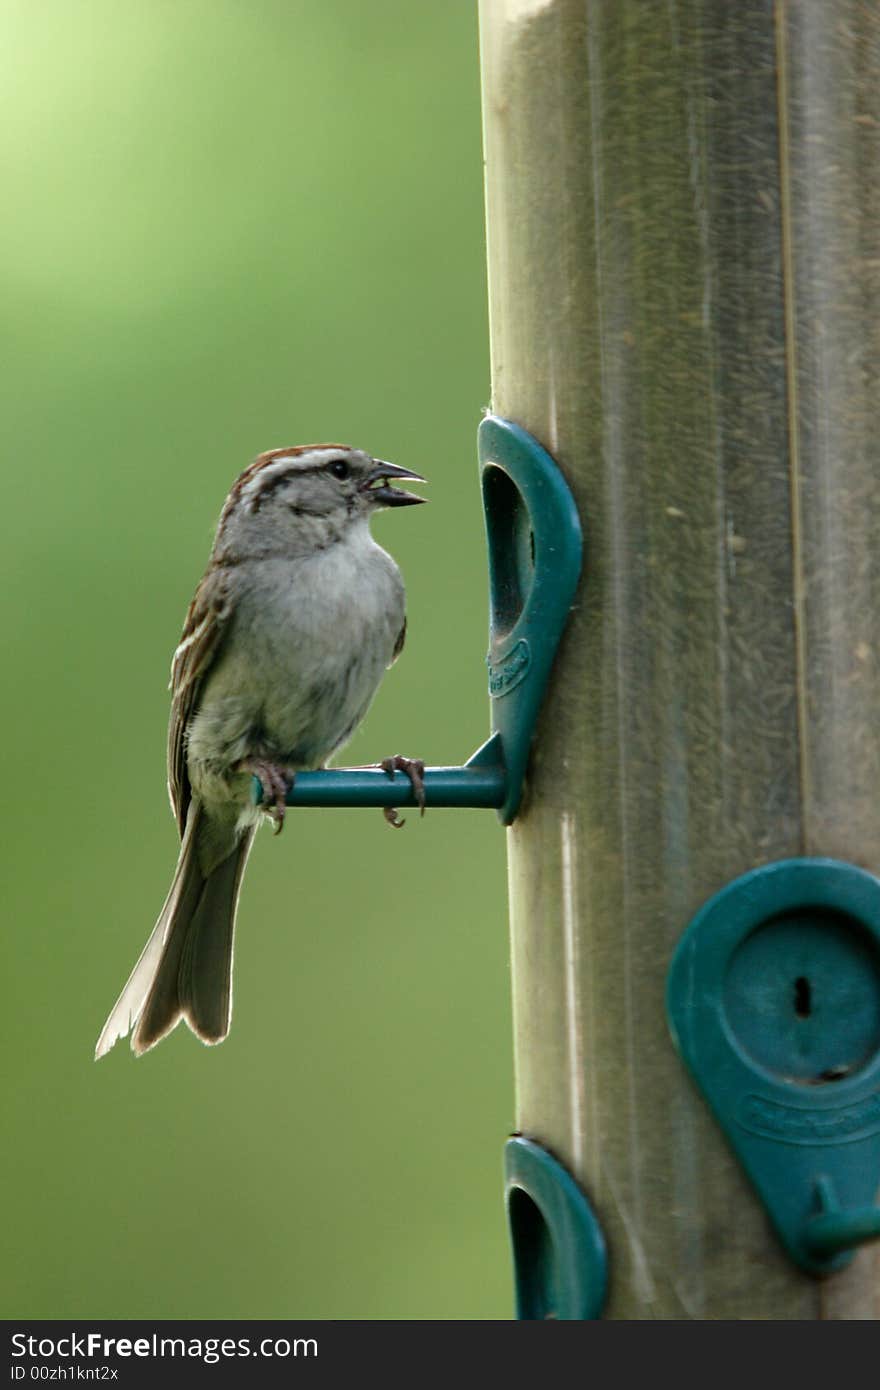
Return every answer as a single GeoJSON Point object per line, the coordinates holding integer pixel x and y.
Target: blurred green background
{"type": "Point", "coordinates": [227, 227]}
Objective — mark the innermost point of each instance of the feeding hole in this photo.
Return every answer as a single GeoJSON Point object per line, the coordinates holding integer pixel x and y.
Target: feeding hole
{"type": "Point", "coordinates": [803, 997]}
{"type": "Point", "coordinates": [511, 549]}
{"type": "Point", "coordinates": [534, 1258]}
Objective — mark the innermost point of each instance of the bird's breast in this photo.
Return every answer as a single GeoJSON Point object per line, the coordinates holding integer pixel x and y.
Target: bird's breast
{"type": "Point", "coordinates": [306, 649]}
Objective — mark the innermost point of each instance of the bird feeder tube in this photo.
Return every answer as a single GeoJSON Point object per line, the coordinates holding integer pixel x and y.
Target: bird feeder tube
{"type": "Point", "coordinates": [683, 220]}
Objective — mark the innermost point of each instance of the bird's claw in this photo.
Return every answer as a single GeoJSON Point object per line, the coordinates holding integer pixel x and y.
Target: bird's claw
{"type": "Point", "coordinates": [276, 782]}
{"type": "Point", "coordinates": [414, 769]}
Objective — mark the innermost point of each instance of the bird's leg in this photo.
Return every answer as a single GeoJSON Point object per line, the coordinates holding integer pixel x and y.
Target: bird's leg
{"type": "Point", "coordinates": [414, 769]}
{"type": "Point", "coordinates": [276, 782]}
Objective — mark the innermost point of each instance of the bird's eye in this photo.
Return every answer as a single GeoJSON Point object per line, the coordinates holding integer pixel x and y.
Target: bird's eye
{"type": "Point", "coordinates": [340, 469]}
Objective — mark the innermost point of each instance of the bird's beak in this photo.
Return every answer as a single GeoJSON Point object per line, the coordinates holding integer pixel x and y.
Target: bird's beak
{"type": "Point", "coordinates": [374, 485]}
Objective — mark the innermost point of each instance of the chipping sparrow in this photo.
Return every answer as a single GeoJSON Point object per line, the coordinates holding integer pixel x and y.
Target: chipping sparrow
{"type": "Point", "coordinates": [296, 618]}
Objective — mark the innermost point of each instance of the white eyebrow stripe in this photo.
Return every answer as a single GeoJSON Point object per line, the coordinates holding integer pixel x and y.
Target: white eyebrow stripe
{"type": "Point", "coordinates": [271, 472]}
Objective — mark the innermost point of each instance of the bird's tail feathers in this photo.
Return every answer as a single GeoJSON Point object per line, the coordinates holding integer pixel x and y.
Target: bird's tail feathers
{"type": "Point", "coordinates": [185, 969]}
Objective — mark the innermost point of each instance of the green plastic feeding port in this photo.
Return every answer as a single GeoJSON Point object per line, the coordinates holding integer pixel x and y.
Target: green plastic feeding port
{"type": "Point", "coordinates": [774, 1003]}
{"type": "Point", "coordinates": [559, 1260]}
{"type": "Point", "coordinates": [534, 540]}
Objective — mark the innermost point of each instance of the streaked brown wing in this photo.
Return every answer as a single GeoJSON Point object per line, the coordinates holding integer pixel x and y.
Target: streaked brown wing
{"type": "Point", "coordinates": [202, 631]}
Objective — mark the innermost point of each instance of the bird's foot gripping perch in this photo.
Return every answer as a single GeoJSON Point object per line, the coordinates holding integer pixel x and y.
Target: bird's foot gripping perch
{"type": "Point", "coordinates": [414, 769]}
{"type": "Point", "coordinates": [276, 782]}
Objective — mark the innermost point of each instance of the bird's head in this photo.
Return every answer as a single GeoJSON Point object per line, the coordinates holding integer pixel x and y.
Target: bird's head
{"type": "Point", "coordinates": [307, 497]}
